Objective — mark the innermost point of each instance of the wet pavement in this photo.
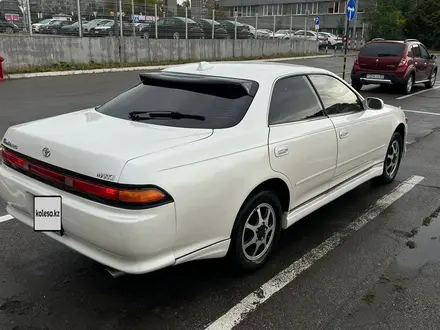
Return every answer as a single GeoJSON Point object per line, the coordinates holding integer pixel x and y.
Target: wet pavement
{"type": "Point", "coordinates": [384, 275]}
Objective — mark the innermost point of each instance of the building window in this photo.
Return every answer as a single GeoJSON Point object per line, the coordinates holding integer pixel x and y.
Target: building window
{"type": "Point", "coordinates": [315, 8]}
{"type": "Point", "coordinates": [286, 10]}
{"type": "Point", "coordinates": [336, 7]}
{"type": "Point", "coordinates": [299, 9]}
{"type": "Point", "coordinates": [248, 11]}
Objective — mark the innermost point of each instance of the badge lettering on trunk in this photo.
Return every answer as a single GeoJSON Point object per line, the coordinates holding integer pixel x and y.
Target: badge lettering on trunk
{"type": "Point", "coordinates": [106, 176]}
{"type": "Point", "coordinates": [8, 143]}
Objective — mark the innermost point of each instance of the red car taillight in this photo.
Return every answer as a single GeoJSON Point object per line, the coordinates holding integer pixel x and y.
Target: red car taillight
{"type": "Point", "coordinates": [404, 61]}
{"type": "Point", "coordinates": [132, 196]}
{"type": "Point", "coordinates": [356, 61]}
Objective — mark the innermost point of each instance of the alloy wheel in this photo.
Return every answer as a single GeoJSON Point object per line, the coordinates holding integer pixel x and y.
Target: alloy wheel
{"type": "Point", "coordinates": [259, 232]}
{"type": "Point", "coordinates": [392, 159]}
{"type": "Point", "coordinates": [409, 84]}
{"type": "Point", "coordinates": [433, 78]}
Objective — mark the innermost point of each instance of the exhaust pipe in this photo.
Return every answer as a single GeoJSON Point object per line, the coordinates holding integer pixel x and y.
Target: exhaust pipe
{"type": "Point", "coordinates": [114, 272]}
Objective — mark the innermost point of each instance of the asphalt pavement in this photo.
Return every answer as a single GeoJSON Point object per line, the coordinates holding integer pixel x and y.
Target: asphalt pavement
{"type": "Point", "coordinates": [368, 260]}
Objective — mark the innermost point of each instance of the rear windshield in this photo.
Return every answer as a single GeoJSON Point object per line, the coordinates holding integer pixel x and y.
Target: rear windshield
{"type": "Point", "coordinates": [380, 49]}
{"type": "Point", "coordinates": [220, 111]}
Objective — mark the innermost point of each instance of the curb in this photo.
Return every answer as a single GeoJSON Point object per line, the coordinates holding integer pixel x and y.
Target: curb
{"type": "Point", "coordinates": [140, 68]}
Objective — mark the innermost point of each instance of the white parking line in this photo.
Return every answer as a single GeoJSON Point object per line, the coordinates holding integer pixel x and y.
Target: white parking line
{"type": "Point", "coordinates": [423, 112]}
{"type": "Point", "coordinates": [237, 313]}
{"type": "Point", "coordinates": [6, 217]}
{"type": "Point", "coordinates": [416, 93]}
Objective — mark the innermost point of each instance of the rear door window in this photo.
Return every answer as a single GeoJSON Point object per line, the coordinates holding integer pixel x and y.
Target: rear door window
{"type": "Point", "coordinates": [416, 51]}
{"type": "Point", "coordinates": [222, 105]}
{"type": "Point", "coordinates": [382, 49]}
{"type": "Point", "coordinates": [293, 99]}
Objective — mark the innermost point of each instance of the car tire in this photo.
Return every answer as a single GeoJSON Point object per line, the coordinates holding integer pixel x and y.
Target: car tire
{"type": "Point", "coordinates": [432, 79]}
{"type": "Point", "coordinates": [408, 86]}
{"type": "Point", "coordinates": [392, 160]}
{"type": "Point", "coordinates": [145, 35]}
{"type": "Point", "coordinates": [251, 227]}
{"type": "Point", "coordinates": [356, 84]}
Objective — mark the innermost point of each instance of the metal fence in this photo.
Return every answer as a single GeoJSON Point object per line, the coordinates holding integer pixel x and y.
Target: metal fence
{"type": "Point", "coordinates": [142, 18]}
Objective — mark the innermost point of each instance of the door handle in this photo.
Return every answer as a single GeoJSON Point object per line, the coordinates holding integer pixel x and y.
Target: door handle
{"type": "Point", "coordinates": [343, 134]}
{"type": "Point", "coordinates": [281, 151]}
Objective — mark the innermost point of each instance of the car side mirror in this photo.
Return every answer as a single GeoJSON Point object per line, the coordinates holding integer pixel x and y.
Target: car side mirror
{"type": "Point", "coordinates": [374, 103]}
{"type": "Point", "coordinates": [433, 57]}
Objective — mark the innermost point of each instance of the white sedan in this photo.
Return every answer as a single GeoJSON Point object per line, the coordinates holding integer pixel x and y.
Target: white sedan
{"type": "Point", "coordinates": [198, 161]}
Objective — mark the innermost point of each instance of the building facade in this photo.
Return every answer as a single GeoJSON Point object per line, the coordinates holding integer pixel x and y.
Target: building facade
{"type": "Point", "coordinates": [300, 12]}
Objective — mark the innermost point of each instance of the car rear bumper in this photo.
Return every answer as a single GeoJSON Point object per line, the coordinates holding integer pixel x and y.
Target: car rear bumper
{"type": "Point", "coordinates": [132, 241]}
{"type": "Point", "coordinates": [388, 79]}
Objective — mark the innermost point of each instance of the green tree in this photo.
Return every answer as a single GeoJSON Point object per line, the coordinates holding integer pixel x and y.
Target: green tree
{"type": "Point", "coordinates": [423, 21]}
{"type": "Point", "coordinates": [340, 28]}
{"type": "Point", "coordinates": [387, 19]}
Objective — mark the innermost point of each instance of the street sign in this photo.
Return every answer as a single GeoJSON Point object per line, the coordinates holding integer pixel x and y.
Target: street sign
{"type": "Point", "coordinates": [317, 20]}
{"type": "Point", "coordinates": [351, 10]}
{"type": "Point", "coordinates": [316, 27]}
{"type": "Point", "coordinates": [136, 18]}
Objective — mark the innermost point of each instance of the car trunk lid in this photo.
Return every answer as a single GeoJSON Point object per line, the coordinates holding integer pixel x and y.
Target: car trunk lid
{"type": "Point", "coordinates": [94, 144]}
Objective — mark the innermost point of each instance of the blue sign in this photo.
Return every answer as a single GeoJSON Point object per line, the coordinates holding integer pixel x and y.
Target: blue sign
{"type": "Point", "coordinates": [351, 10]}
{"type": "Point", "coordinates": [317, 20]}
{"type": "Point", "coordinates": [136, 19]}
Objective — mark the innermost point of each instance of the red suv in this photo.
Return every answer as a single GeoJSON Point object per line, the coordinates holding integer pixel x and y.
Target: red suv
{"type": "Point", "coordinates": [386, 62]}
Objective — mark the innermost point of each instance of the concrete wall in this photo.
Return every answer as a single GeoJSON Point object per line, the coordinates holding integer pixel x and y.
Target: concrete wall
{"type": "Point", "coordinates": [38, 51]}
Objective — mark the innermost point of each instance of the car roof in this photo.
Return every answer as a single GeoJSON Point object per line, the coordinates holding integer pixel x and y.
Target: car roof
{"type": "Point", "coordinates": [257, 71]}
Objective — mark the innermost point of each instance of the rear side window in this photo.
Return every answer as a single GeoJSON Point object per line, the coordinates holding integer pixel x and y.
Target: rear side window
{"type": "Point", "coordinates": [416, 51]}
{"type": "Point", "coordinates": [293, 99]}
{"type": "Point", "coordinates": [382, 49]}
{"type": "Point", "coordinates": [223, 106]}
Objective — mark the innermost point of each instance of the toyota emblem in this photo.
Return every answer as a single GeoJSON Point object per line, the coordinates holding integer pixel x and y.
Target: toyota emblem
{"type": "Point", "coordinates": [46, 152]}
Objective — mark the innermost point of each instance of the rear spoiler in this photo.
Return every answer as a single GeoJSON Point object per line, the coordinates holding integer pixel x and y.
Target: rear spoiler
{"type": "Point", "coordinates": [219, 86]}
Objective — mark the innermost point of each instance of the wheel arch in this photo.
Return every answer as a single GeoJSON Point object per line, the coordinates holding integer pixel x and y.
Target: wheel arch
{"type": "Point", "coordinates": [278, 186]}
{"type": "Point", "coordinates": [401, 130]}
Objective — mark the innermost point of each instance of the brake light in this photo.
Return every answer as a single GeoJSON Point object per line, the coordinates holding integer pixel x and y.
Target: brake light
{"type": "Point", "coordinates": [404, 61]}
{"type": "Point", "coordinates": [135, 196]}
{"type": "Point", "coordinates": [356, 61]}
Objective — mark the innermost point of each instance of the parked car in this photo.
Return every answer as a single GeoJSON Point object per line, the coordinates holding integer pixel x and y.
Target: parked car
{"type": "Point", "coordinates": [8, 27]}
{"type": "Point", "coordinates": [209, 160]}
{"type": "Point", "coordinates": [94, 23]}
{"type": "Point", "coordinates": [173, 27]}
{"type": "Point", "coordinates": [54, 27]}
{"type": "Point", "coordinates": [333, 40]}
{"type": "Point", "coordinates": [311, 36]}
{"type": "Point", "coordinates": [111, 29]}
{"type": "Point", "coordinates": [147, 29]}
{"type": "Point", "coordinates": [257, 33]}
{"type": "Point", "coordinates": [281, 34]}
{"type": "Point", "coordinates": [243, 31]}
{"type": "Point", "coordinates": [36, 26]}
{"type": "Point", "coordinates": [401, 63]}
{"type": "Point", "coordinates": [207, 24]}
{"type": "Point", "coordinates": [72, 29]}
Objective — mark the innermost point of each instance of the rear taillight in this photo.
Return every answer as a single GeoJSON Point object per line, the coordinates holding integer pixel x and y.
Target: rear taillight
{"type": "Point", "coordinates": [404, 61]}
{"type": "Point", "coordinates": [138, 196]}
{"type": "Point", "coordinates": [356, 61]}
